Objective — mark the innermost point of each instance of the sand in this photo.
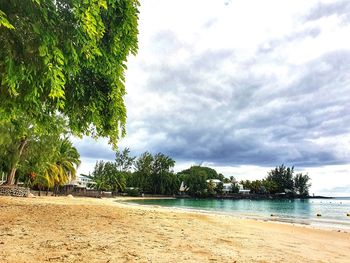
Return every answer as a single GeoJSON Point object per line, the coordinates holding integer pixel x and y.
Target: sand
{"type": "Point", "coordinates": [61, 229]}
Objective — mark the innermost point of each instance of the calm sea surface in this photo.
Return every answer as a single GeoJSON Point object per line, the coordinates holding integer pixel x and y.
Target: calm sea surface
{"type": "Point", "coordinates": [301, 211]}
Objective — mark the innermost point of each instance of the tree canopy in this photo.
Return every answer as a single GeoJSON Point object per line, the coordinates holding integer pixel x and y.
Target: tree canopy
{"type": "Point", "coordinates": [152, 173]}
{"type": "Point", "coordinates": [210, 173]}
{"type": "Point", "coordinates": [302, 184]}
{"type": "Point", "coordinates": [26, 146]}
{"type": "Point", "coordinates": [107, 177]}
{"type": "Point", "coordinates": [195, 178]}
{"type": "Point", "coordinates": [67, 57]}
{"type": "Point", "coordinates": [280, 180]}
{"type": "Point", "coordinates": [283, 178]}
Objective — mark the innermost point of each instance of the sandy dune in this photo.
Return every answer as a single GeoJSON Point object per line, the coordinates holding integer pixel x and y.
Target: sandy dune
{"type": "Point", "coordinates": [62, 229]}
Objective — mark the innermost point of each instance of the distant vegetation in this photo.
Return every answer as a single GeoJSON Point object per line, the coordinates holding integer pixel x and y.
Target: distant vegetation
{"type": "Point", "coordinates": [153, 174]}
{"type": "Point", "coordinates": [280, 180]}
{"type": "Point", "coordinates": [148, 173]}
{"type": "Point", "coordinates": [195, 179]}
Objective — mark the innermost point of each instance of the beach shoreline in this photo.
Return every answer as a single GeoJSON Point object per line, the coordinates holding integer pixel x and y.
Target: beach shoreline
{"type": "Point", "coordinates": [63, 229]}
{"type": "Point", "coordinates": [274, 218]}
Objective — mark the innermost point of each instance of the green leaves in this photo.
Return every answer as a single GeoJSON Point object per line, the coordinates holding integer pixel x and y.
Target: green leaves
{"type": "Point", "coordinates": [29, 147]}
{"type": "Point", "coordinates": [153, 174]}
{"type": "Point", "coordinates": [4, 22]}
{"type": "Point", "coordinates": [302, 184]}
{"type": "Point", "coordinates": [43, 51]}
{"type": "Point", "coordinates": [283, 177]}
{"type": "Point", "coordinates": [68, 57]}
{"type": "Point", "coordinates": [107, 177]}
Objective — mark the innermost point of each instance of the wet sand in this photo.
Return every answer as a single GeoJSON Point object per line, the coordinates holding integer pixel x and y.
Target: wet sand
{"type": "Point", "coordinates": [62, 229]}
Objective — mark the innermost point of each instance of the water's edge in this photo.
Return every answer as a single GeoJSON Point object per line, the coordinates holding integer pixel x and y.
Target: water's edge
{"type": "Point", "coordinates": [331, 221]}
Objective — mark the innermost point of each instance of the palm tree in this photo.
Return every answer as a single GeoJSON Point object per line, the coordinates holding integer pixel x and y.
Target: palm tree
{"type": "Point", "coordinates": [46, 179]}
{"type": "Point", "coordinates": [66, 161]}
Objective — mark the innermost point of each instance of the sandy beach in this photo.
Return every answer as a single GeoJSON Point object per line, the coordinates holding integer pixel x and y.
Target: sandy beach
{"type": "Point", "coordinates": [62, 229]}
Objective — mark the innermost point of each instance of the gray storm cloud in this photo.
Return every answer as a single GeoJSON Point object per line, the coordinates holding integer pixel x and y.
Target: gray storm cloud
{"type": "Point", "coordinates": [245, 117]}
{"type": "Point", "coordinates": [221, 108]}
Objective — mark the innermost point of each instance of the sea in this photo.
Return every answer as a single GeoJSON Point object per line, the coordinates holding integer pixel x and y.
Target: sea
{"type": "Point", "coordinates": [320, 213]}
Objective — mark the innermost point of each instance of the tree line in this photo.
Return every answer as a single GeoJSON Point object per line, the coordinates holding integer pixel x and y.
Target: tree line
{"type": "Point", "coordinates": [148, 173]}
{"type": "Point", "coordinates": [154, 174]}
{"type": "Point", "coordinates": [280, 180]}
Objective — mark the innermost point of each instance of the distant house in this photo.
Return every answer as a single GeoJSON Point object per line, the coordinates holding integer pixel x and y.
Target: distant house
{"type": "Point", "coordinates": [82, 181]}
{"type": "Point", "coordinates": [227, 187]}
{"type": "Point", "coordinates": [242, 190]}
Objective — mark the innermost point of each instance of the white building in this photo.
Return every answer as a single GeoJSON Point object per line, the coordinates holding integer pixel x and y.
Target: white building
{"type": "Point", "coordinates": [227, 187]}
{"type": "Point", "coordinates": [82, 182]}
{"type": "Point", "coordinates": [242, 190]}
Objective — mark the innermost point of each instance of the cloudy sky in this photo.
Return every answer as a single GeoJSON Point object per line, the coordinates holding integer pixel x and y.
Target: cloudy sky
{"type": "Point", "coordinates": [241, 86]}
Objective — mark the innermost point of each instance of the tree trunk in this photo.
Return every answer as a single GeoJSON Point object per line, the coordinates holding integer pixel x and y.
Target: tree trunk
{"type": "Point", "coordinates": [12, 173]}
{"type": "Point", "coordinates": [11, 176]}
{"type": "Point", "coordinates": [55, 190]}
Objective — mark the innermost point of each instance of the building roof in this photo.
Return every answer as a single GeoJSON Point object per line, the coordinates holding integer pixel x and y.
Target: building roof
{"type": "Point", "coordinates": [214, 180]}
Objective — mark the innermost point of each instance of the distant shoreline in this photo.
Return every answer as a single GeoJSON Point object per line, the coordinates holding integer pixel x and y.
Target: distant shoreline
{"type": "Point", "coordinates": [316, 217]}
{"type": "Point", "coordinates": [261, 197]}
{"type": "Point", "coordinates": [274, 197]}
{"type": "Point", "coordinates": [275, 219]}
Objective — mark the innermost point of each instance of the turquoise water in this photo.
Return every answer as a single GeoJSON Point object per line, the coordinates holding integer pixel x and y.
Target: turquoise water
{"type": "Point", "coordinates": [301, 211]}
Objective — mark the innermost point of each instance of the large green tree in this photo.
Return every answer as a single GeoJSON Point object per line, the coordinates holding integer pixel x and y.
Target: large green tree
{"type": "Point", "coordinates": [40, 151]}
{"type": "Point", "coordinates": [302, 184]}
{"type": "Point", "coordinates": [108, 178]}
{"type": "Point", "coordinates": [282, 176]}
{"type": "Point", "coordinates": [209, 172]}
{"type": "Point", "coordinates": [153, 174]}
{"type": "Point", "coordinates": [22, 142]}
{"type": "Point", "coordinates": [66, 57]}
{"type": "Point", "coordinates": [143, 170]}
{"type": "Point", "coordinates": [195, 180]}
{"type": "Point", "coordinates": [124, 161]}
{"type": "Point", "coordinates": [162, 179]}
